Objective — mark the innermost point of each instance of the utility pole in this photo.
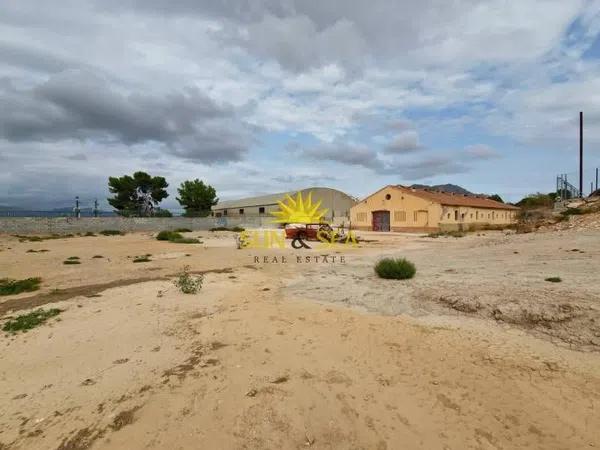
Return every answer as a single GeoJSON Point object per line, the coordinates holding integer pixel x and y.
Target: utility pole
{"type": "Point", "coordinates": [596, 178]}
{"type": "Point", "coordinates": [581, 153]}
{"type": "Point", "coordinates": [96, 208]}
{"type": "Point", "coordinates": [76, 210]}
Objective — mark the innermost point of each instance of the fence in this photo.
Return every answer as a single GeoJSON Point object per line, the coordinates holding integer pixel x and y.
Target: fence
{"type": "Point", "coordinates": [67, 225]}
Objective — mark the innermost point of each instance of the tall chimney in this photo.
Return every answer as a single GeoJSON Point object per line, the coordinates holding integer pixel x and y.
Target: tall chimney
{"type": "Point", "coordinates": [581, 153]}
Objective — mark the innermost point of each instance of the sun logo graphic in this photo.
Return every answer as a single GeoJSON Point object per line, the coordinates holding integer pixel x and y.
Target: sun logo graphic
{"type": "Point", "coordinates": [303, 221]}
{"type": "Point", "coordinates": [299, 210]}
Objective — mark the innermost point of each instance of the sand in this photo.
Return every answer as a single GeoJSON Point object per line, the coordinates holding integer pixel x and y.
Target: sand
{"type": "Point", "coordinates": [304, 355]}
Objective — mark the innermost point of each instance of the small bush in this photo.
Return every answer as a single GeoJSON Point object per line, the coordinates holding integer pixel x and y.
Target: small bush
{"type": "Point", "coordinates": [186, 241]}
{"type": "Point", "coordinates": [26, 322]}
{"type": "Point", "coordinates": [398, 269]}
{"type": "Point", "coordinates": [162, 213]}
{"type": "Point", "coordinates": [89, 233]}
{"type": "Point", "coordinates": [111, 233]}
{"type": "Point", "coordinates": [175, 237]}
{"type": "Point", "coordinates": [183, 230]}
{"type": "Point", "coordinates": [554, 279]}
{"type": "Point", "coordinates": [168, 235]}
{"type": "Point", "coordinates": [71, 261]}
{"type": "Point", "coordinates": [14, 287]}
{"type": "Point", "coordinates": [187, 283]}
{"type": "Point", "coordinates": [37, 251]}
{"type": "Point", "coordinates": [141, 259]}
{"type": "Point", "coordinates": [456, 234]}
{"type": "Point", "coordinates": [234, 229]}
{"type": "Point", "coordinates": [72, 258]}
{"type": "Point", "coordinates": [97, 256]}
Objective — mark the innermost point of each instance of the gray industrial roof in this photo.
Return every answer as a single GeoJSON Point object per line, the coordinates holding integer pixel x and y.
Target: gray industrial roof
{"type": "Point", "coordinates": [261, 200]}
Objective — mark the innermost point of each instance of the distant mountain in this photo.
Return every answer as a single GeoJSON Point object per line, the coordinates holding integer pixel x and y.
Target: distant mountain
{"type": "Point", "coordinates": [9, 208]}
{"type": "Point", "coordinates": [453, 188]}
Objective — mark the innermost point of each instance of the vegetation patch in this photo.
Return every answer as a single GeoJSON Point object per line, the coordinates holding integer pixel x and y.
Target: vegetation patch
{"type": "Point", "coordinates": [14, 287]}
{"type": "Point", "coordinates": [111, 233]}
{"type": "Point", "coordinates": [395, 268]}
{"type": "Point", "coordinates": [183, 230]}
{"type": "Point", "coordinates": [166, 235]}
{"type": "Point", "coordinates": [175, 237]}
{"type": "Point", "coordinates": [234, 229]}
{"type": "Point", "coordinates": [37, 251]}
{"type": "Point", "coordinates": [89, 233]}
{"type": "Point", "coordinates": [24, 238]}
{"type": "Point", "coordinates": [142, 258]}
{"type": "Point", "coordinates": [455, 234]}
{"type": "Point", "coordinates": [72, 258]}
{"type": "Point", "coordinates": [187, 283]}
{"type": "Point", "coordinates": [97, 256]}
{"type": "Point", "coordinates": [71, 261]}
{"type": "Point", "coordinates": [31, 320]}
{"type": "Point", "coordinates": [554, 279]}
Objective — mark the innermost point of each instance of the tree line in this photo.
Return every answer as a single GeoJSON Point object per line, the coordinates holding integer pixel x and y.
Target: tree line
{"type": "Point", "coordinates": [139, 195]}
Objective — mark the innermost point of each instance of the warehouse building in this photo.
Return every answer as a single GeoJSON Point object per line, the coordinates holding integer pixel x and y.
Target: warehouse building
{"type": "Point", "coordinates": [400, 208]}
{"type": "Point", "coordinates": [336, 202]}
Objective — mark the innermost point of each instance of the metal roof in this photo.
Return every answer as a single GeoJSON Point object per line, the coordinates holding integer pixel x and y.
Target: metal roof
{"type": "Point", "coordinates": [270, 199]}
{"type": "Point", "coordinates": [261, 200]}
{"type": "Point", "coordinates": [450, 199]}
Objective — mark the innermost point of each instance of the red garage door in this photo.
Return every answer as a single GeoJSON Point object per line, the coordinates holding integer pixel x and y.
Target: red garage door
{"type": "Point", "coordinates": [381, 221]}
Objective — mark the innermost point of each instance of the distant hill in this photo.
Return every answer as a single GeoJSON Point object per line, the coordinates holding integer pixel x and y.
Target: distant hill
{"type": "Point", "coordinates": [453, 188]}
{"type": "Point", "coordinates": [9, 208]}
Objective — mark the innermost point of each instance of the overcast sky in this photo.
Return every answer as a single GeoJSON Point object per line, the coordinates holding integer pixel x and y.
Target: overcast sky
{"type": "Point", "coordinates": [264, 96]}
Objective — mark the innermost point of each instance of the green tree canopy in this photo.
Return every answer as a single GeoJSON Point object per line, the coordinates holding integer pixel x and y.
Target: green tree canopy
{"type": "Point", "coordinates": [137, 195]}
{"type": "Point", "coordinates": [496, 197]}
{"type": "Point", "coordinates": [196, 198]}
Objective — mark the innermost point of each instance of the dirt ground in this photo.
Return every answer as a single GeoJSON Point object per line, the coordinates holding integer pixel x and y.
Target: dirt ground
{"type": "Point", "coordinates": [476, 352]}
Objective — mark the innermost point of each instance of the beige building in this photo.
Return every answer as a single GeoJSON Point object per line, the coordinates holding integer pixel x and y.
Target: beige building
{"type": "Point", "coordinates": [399, 208]}
{"type": "Point", "coordinates": [336, 202]}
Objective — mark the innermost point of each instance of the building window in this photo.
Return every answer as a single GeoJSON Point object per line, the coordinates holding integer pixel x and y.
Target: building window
{"type": "Point", "coordinates": [224, 212]}
{"type": "Point", "coordinates": [241, 211]}
{"type": "Point", "coordinates": [388, 196]}
{"type": "Point", "coordinates": [471, 215]}
{"type": "Point", "coordinates": [399, 216]}
{"type": "Point", "coordinates": [261, 209]}
{"type": "Point", "coordinates": [462, 216]}
{"type": "Point", "coordinates": [455, 214]}
{"type": "Point", "coordinates": [415, 216]}
{"type": "Point", "coordinates": [476, 215]}
{"type": "Point", "coordinates": [448, 215]}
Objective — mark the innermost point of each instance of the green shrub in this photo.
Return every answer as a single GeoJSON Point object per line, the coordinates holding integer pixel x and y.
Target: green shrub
{"type": "Point", "coordinates": [111, 233]}
{"type": "Point", "coordinates": [398, 269]}
{"type": "Point", "coordinates": [554, 279]}
{"type": "Point", "coordinates": [71, 261]}
{"type": "Point", "coordinates": [187, 283]}
{"type": "Point", "coordinates": [14, 287]}
{"type": "Point", "coordinates": [168, 235]}
{"type": "Point", "coordinates": [89, 233]}
{"type": "Point", "coordinates": [31, 320]}
{"type": "Point", "coordinates": [141, 259]}
{"type": "Point", "coordinates": [97, 256]}
{"type": "Point", "coordinates": [456, 234]}
{"type": "Point", "coordinates": [183, 230]}
{"type": "Point", "coordinates": [162, 213]}
{"type": "Point", "coordinates": [573, 212]}
{"type": "Point", "coordinates": [235, 229]}
{"type": "Point", "coordinates": [185, 241]}
{"type": "Point", "coordinates": [72, 258]}
{"type": "Point", "coordinates": [175, 237]}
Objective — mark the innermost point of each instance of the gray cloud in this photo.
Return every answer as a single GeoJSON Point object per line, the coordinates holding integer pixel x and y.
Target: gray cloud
{"type": "Point", "coordinates": [82, 105]}
{"type": "Point", "coordinates": [344, 154]}
{"type": "Point", "coordinates": [406, 142]}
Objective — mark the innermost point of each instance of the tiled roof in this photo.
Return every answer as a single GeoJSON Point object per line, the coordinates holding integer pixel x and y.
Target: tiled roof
{"type": "Point", "coordinates": [450, 199]}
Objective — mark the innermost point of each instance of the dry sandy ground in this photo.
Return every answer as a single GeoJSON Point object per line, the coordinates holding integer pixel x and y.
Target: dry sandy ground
{"type": "Point", "coordinates": [305, 355]}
